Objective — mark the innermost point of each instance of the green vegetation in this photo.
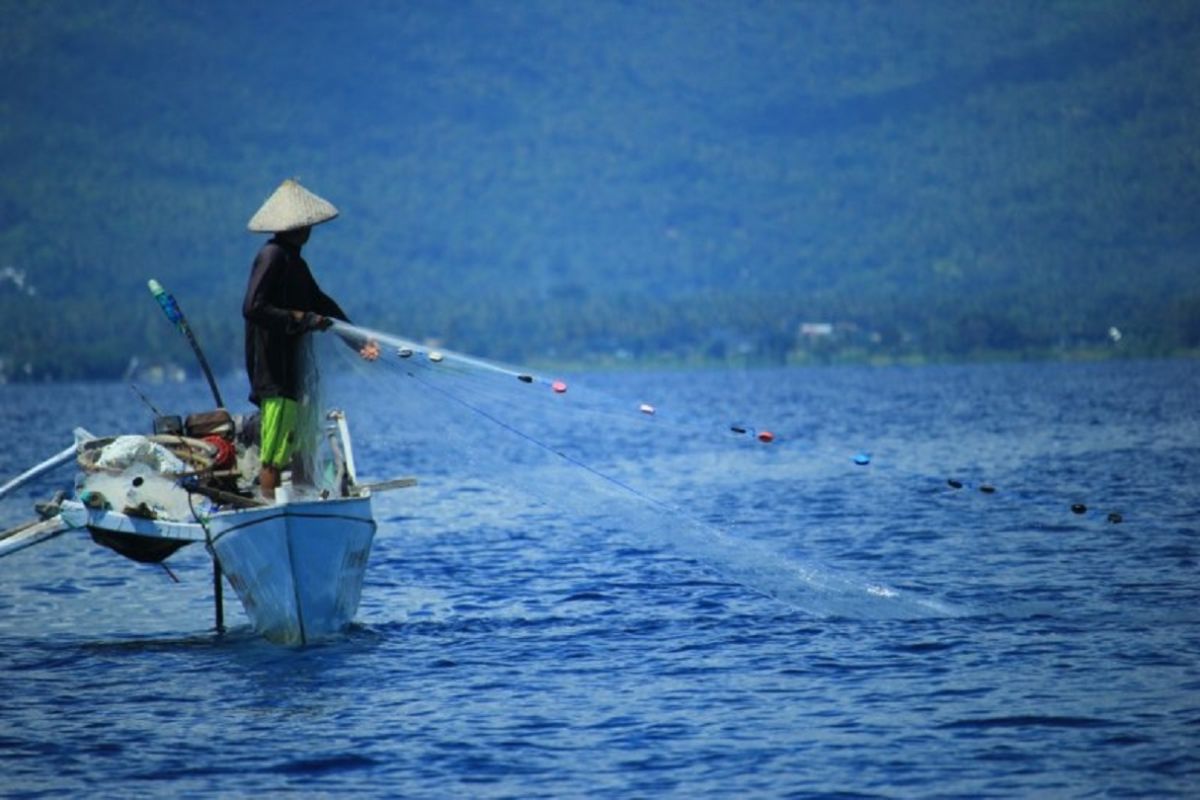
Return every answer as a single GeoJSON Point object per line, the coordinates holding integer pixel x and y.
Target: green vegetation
{"type": "Point", "coordinates": [653, 181]}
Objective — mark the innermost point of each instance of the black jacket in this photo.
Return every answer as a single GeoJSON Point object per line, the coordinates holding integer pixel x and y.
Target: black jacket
{"type": "Point", "coordinates": [280, 282]}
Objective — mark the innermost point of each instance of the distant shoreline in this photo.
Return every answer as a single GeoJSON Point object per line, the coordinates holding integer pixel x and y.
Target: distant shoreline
{"type": "Point", "coordinates": [605, 363]}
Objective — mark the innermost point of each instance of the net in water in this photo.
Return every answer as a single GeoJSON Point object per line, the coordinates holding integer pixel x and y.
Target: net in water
{"type": "Point", "coordinates": [620, 465]}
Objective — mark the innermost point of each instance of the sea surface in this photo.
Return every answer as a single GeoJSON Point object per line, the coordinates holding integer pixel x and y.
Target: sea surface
{"type": "Point", "coordinates": [670, 610]}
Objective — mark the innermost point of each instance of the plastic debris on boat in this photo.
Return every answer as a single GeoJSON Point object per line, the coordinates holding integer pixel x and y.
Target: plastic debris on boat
{"type": "Point", "coordinates": [124, 451]}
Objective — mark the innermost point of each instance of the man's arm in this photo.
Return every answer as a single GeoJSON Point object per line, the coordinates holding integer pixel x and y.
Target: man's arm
{"type": "Point", "coordinates": [326, 306]}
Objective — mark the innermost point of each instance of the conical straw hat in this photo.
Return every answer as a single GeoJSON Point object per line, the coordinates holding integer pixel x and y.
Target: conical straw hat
{"type": "Point", "coordinates": [290, 207]}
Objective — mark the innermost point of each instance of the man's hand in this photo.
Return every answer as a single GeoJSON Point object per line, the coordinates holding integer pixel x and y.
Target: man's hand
{"type": "Point", "coordinates": [370, 351]}
{"type": "Point", "coordinates": [311, 321]}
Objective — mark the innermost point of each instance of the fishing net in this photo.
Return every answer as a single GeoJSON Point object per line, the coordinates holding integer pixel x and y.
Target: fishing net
{"type": "Point", "coordinates": [626, 470]}
{"type": "Point", "coordinates": [316, 464]}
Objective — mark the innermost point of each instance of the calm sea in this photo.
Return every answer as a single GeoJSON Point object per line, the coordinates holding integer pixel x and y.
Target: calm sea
{"type": "Point", "coordinates": [767, 621]}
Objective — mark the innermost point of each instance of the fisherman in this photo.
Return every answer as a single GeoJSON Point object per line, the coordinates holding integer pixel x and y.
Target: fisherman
{"type": "Point", "coordinates": [284, 303]}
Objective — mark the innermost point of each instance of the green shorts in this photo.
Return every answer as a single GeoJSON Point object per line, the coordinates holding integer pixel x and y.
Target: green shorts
{"type": "Point", "coordinates": [278, 431]}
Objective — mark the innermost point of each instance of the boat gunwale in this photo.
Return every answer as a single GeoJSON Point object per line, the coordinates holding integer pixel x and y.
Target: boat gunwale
{"type": "Point", "coordinates": [269, 513]}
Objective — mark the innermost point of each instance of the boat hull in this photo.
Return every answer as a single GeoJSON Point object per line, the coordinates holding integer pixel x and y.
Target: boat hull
{"type": "Point", "coordinates": [298, 567]}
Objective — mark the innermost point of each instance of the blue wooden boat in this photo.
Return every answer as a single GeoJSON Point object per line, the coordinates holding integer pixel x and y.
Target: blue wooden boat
{"type": "Point", "coordinates": [297, 566]}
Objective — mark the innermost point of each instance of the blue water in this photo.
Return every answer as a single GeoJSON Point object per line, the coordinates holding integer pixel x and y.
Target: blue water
{"type": "Point", "coordinates": [510, 648]}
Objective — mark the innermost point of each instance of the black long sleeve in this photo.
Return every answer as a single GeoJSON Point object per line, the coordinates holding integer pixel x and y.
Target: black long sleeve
{"type": "Point", "coordinates": [280, 283]}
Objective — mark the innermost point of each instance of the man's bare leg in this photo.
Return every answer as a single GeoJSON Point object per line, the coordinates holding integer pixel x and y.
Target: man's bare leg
{"type": "Point", "coordinates": [268, 479]}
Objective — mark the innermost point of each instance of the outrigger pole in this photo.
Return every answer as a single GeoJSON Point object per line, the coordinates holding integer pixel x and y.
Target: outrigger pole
{"type": "Point", "coordinates": [171, 308]}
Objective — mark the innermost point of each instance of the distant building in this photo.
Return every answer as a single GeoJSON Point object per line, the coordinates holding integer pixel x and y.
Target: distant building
{"type": "Point", "coordinates": [816, 330]}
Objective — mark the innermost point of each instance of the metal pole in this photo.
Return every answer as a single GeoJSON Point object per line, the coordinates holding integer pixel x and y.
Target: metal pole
{"type": "Point", "coordinates": [218, 595]}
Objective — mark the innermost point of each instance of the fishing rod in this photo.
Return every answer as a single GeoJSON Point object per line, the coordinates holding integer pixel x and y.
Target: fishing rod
{"type": "Point", "coordinates": [171, 308]}
{"type": "Point", "coordinates": [145, 399]}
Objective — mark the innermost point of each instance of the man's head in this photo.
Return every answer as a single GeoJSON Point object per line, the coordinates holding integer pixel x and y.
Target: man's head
{"type": "Point", "coordinates": [296, 236]}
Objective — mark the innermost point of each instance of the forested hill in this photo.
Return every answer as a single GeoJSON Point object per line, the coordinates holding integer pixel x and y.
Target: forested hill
{"type": "Point", "coordinates": [553, 179]}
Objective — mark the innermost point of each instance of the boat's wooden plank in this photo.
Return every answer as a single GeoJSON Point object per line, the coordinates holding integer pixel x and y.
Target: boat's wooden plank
{"type": "Point", "coordinates": [80, 516]}
{"type": "Point", "coordinates": [394, 483]}
{"type": "Point", "coordinates": [30, 533]}
{"type": "Point", "coordinates": [229, 498]}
